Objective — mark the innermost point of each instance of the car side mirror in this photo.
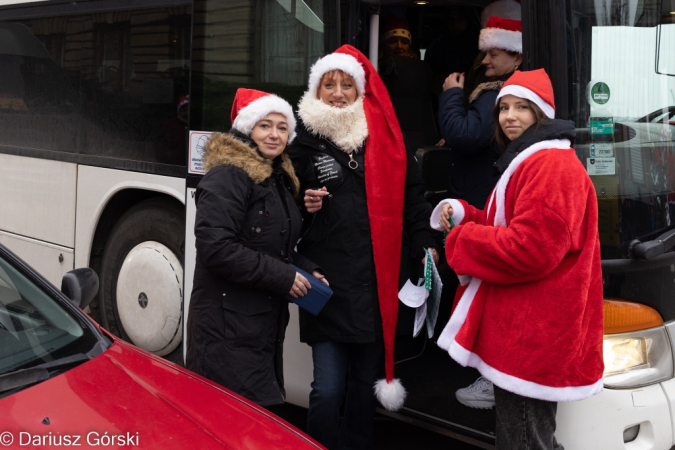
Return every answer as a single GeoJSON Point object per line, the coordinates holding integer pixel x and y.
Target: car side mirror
{"type": "Point", "coordinates": [80, 286]}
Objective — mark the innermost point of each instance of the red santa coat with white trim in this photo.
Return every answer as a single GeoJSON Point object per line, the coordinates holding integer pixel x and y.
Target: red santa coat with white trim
{"type": "Point", "coordinates": [529, 313]}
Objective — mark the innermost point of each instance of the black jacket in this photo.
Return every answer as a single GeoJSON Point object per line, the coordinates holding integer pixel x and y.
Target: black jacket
{"type": "Point", "coordinates": [246, 227]}
{"type": "Point", "coordinates": [338, 238]}
{"type": "Point", "coordinates": [470, 134]}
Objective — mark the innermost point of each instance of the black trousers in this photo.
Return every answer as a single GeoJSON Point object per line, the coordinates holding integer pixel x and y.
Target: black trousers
{"type": "Point", "coordinates": [524, 423]}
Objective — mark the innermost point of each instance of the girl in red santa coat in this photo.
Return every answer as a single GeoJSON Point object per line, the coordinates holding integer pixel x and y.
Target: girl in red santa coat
{"type": "Point", "coordinates": [528, 314]}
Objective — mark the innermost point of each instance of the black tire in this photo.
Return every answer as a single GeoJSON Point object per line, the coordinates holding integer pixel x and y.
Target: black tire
{"type": "Point", "coordinates": [158, 220]}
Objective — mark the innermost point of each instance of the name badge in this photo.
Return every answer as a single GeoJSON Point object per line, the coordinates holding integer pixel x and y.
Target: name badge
{"type": "Point", "coordinates": [327, 170]}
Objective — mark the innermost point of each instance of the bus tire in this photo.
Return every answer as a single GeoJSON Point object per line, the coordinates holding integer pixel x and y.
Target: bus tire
{"type": "Point", "coordinates": [141, 296]}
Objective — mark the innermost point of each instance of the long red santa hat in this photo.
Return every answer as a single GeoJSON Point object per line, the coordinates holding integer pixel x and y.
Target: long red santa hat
{"type": "Point", "coordinates": [385, 171]}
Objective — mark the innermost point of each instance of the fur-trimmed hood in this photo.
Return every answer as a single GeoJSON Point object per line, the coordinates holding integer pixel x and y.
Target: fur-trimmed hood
{"type": "Point", "coordinates": [229, 149]}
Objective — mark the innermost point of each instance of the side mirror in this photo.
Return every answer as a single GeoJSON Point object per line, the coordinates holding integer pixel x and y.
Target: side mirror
{"type": "Point", "coordinates": [80, 286]}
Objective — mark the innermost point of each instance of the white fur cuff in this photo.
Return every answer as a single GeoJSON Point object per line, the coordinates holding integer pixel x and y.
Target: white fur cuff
{"type": "Point", "coordinates": [457, 213]}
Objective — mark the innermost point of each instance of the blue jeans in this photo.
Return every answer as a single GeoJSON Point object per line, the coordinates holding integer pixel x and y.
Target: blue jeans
{"type": "Point", "coordinates": [344, 373]}
{"type": "Point", "coordinates": [524, 423]}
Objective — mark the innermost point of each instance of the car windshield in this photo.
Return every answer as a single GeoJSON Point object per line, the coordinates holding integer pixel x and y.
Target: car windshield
{"type": "Point", "coordinates": [34, 328]}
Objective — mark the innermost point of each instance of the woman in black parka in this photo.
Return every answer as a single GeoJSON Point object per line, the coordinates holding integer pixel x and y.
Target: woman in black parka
{"type": "Point", "coordinates": [246, 228]}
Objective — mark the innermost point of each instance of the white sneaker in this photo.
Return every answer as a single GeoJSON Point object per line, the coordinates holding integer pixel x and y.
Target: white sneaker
{"type": "Point", "coordinates": [480, 394]}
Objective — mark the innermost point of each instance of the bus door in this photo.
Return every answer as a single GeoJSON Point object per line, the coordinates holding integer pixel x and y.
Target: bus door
{"type": "Point", "coordinates": [612, 65]}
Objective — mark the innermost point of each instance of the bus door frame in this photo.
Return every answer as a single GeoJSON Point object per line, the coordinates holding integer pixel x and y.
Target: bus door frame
{"type": "Point", "coordinates": [545, 46]}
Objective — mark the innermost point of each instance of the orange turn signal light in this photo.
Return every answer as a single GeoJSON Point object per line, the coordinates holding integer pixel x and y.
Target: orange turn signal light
{"type": "Point", "coordinates": [622, 316]}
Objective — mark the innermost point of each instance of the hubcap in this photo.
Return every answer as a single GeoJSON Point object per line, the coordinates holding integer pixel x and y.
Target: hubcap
{"type": "Point", "coordinates": [150, 297]}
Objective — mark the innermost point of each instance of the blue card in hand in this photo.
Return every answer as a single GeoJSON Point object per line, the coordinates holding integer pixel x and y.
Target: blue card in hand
{"type": "Point", "coordinates": [316, 297]}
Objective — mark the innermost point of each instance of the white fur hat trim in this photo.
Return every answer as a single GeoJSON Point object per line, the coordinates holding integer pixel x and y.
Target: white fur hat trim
{"type": "Point", "coordinates": [337, 61]}
{"type": "Point", "coordinates": [257, 110]}
{"type": "Point", "coordinates": [503, 39]}
{"type": "Point", "coordinates": [523, 92]}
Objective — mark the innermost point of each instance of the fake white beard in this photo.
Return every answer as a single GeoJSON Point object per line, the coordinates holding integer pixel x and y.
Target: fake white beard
{"type": "Point", "coordinates": [345, 127]}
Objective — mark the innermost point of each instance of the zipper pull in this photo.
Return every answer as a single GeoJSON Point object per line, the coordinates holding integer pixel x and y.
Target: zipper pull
{"type": "Point", "coordinates": [355, 165]}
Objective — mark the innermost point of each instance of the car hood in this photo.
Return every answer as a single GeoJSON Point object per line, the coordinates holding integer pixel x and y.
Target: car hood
{"type": "Point", "coordinates": [127, 392]}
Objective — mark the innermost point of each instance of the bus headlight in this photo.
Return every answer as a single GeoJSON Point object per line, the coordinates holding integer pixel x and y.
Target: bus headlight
{"type": "Point", "coordinates": [637, 358]}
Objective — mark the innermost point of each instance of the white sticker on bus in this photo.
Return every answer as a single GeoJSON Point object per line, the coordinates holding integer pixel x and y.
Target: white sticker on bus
{"type": "Point", "coordinates": [602, 150]}
{"type": "Point", "coordinates": [197, 142]}
{"type": "Point", "coordinates": [601, 166]}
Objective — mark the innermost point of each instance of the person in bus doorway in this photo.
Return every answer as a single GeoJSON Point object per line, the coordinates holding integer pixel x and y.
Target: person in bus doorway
{"type": "Point", "coordinates": [246, 228]}
{"type": "Point", "coordinates": [470, 135]}
{"type": "Point", "coordinates": [409, 83]}
{"type": "Point", "coordinates": [507, 9]}
{"type": "Point", "coordinates": [455, 49]}
{"type": "Point", "coordinates": [396, 38]}
{"type": "Point", "coordinates": [362, 193]}
{"type": "Point", "coordinates": [529, 313]}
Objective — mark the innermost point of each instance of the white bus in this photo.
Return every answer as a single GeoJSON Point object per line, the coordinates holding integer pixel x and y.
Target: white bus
{"type": "Point", "coordinates": [96, 169]}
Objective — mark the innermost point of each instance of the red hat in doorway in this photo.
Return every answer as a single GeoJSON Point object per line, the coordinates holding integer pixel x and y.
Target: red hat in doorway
{"type": "Point", "coordinates": [508, 9]}
{"type": "Point", "coordinates": [533, 85]}
{"type": "Point", "coordinates": [505, 34]}
{"type": "Point", "coordinates": [182, 101]}
{"type": "Point", "coordinates": [396, 27]}
{"type": "Point", "coordinates": [385, 172]}
{"type": "Point", "coordinates": [251, 106]}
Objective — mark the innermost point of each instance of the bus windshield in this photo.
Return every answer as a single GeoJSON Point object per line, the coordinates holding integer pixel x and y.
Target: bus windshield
{"type": "Point", "coordinates": [622, 60]}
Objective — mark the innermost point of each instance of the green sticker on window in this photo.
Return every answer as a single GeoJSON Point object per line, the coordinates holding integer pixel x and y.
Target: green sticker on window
{"type": "Point", "coordinates": [600, 93]}
{"type": "Point", "coordinates": [602, 125]}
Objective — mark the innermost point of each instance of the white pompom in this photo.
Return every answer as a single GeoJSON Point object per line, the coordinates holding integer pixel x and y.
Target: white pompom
{"type": "Point", "coordinates": [390, 395]}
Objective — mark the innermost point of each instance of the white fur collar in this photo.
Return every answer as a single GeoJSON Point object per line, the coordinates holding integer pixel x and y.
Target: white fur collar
{"type": "Point", "coordinates": [345, 127]}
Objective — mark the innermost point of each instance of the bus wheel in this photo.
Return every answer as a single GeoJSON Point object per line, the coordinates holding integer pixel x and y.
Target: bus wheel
{"type": "Point", "coordinates": [142, 278]}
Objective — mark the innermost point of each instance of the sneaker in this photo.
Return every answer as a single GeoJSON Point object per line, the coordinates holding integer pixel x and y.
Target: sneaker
{"type": "Point", "coordinates": [480, 394]}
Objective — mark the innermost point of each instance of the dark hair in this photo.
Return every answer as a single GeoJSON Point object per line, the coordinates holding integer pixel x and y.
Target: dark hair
{"type": "Point", "coordinates": [500, 137]}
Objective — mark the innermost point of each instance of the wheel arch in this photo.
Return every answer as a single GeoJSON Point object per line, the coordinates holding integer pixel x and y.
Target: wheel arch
{"type": "Point", "coordinates": [110, 212]}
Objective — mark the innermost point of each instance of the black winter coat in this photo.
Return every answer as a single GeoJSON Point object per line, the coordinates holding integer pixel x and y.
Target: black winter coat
{"type": "Point", "coordinates": [337, 238]}
{"type": "Point", "coordinates": [470, 134]}
{"type": "Point", "coordinates": [246, 228]}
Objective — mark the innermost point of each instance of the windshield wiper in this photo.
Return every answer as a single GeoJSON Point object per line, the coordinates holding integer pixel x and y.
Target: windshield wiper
{"type": "Point", "coordinates": [652, 249]}
{"type": "Point", "coordinates": [20, 379]}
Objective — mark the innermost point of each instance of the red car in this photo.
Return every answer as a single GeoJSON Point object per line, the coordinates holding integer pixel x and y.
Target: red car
{"type": "Point", "coordinates": [64, 381]}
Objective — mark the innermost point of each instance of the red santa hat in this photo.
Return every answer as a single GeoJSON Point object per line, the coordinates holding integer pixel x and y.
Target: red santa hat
{"type": "Point", "coordinates": [396, 27]}
{"type": "Point", "coordinates": [533, 85]}
{"type": "Point", "coordinates": [385, 171]}
{"type": "Point", "coordinates": [251, 106]}
{"type": "Point", "coordinates": [337, 61]}
{"type": "Point", "coordinates": [508, 9]}
{"type": "Point", "coordinates": [505, 34]}
{"type": "Point", "coordinates": [182, 101]}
